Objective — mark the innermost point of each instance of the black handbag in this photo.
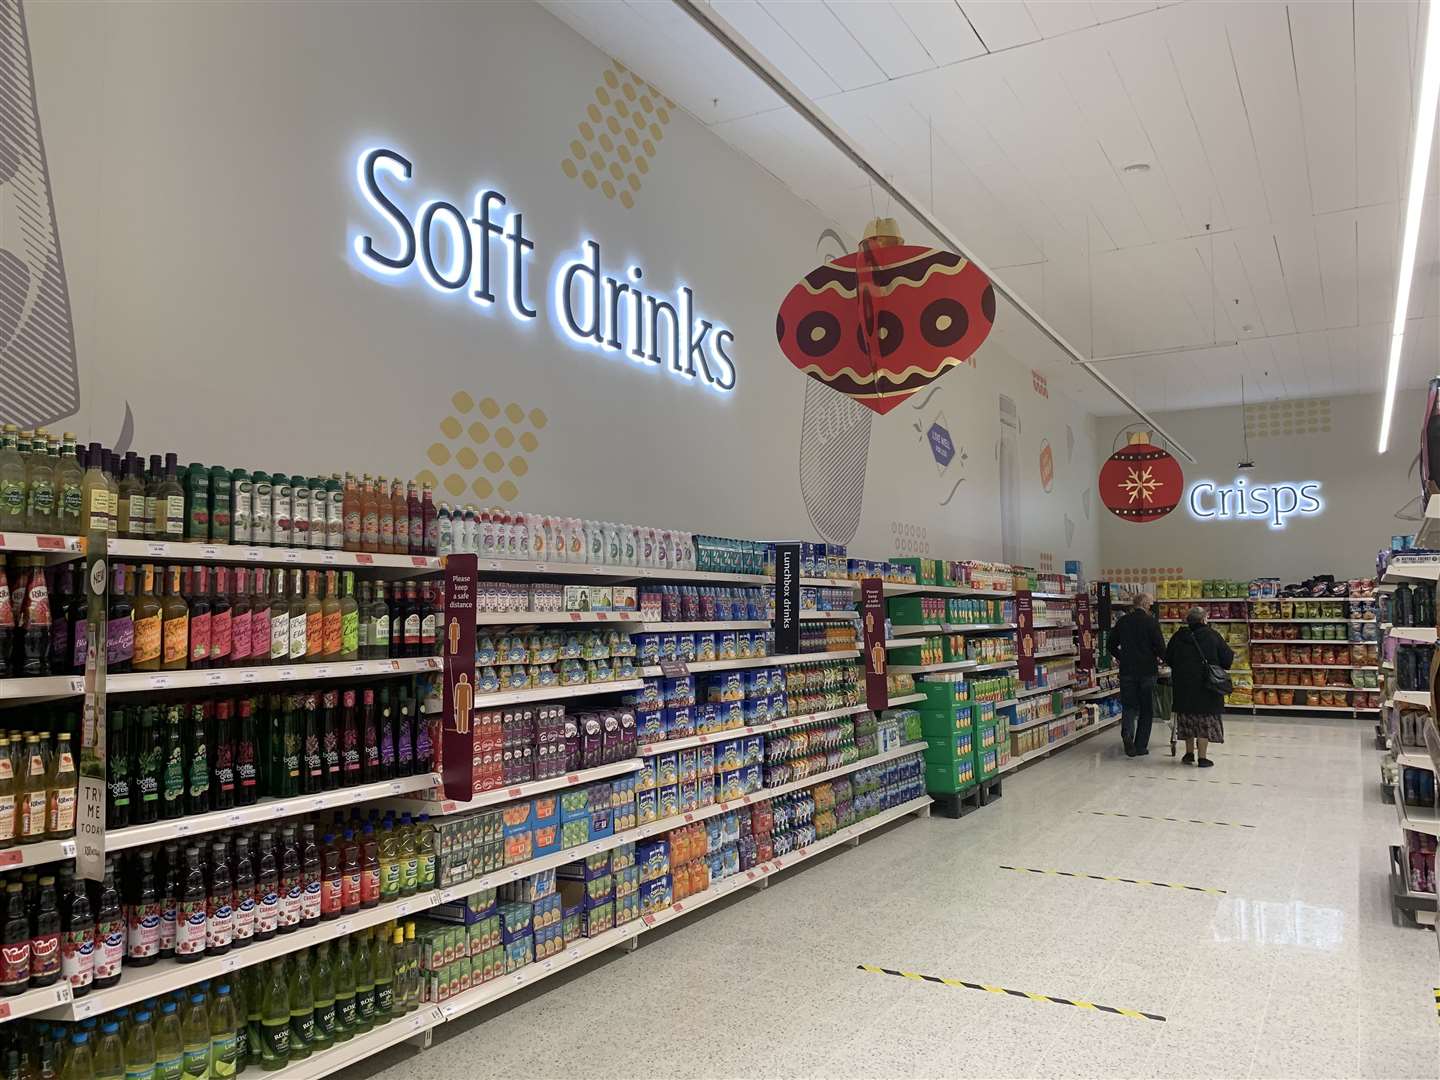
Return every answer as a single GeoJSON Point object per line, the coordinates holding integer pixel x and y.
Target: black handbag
{"type": "Point", "coordinates": [1216, 677]}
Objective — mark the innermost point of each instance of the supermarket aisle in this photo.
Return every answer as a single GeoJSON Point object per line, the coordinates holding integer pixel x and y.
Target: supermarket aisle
{"type": "Point", "coordinates": [1294, 971]}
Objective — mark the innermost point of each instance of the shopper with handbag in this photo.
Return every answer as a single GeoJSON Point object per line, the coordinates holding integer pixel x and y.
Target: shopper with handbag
{"type": "Point", "coordinates": [1199, 660]}
{"type": "Point", "coordinates": [1138, 647]}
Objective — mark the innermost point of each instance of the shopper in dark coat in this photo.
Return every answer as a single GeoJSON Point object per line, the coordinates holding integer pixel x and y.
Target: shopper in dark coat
{"type": "Point", "coordinates": [1197, 708]}
{"type": "Point", "coordinates": [1138, 646]}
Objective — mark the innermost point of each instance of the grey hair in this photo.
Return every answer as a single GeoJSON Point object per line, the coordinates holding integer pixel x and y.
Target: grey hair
{"type": "Point", "coordinates": [1195, 617]}
{"type": "Point", "coordinates": [1141, 600]}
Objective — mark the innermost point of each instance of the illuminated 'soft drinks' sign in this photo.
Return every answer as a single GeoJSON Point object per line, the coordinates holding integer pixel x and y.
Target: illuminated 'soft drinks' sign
{"type": "Point", "coordinates": [456, 254]}
{"type": "Point", "coordinates": [1271, 503]}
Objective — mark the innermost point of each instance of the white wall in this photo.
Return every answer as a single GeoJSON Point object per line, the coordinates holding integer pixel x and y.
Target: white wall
{"type": "Point", "coordinates": [1332, 442]}
{"type": "Point", "coordinates": [203, 166]}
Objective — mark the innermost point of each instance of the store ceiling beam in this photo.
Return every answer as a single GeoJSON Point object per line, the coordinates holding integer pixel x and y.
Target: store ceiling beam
{"type": "Point", "coordinates": [743, 51]}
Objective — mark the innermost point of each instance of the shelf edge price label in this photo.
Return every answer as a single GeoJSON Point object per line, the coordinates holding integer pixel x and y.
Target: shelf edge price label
{"type": "Point", "coordinates": [159, 682]}
{"type": "Point", "coordinates": [364, 559]}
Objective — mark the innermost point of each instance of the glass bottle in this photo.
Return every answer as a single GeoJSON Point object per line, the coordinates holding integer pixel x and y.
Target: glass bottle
{"type": "Point", "coordinates": [240, 621]}
{"type": "Point", "coordinates": [9, 816]}
{"type": "Point", "coordinates": [190, 920]}
{"type": "Point", "coordinates": [291, 886]}
{"type": "Point", "coordinates": [349, 615]}
{"type": "Point", "coordinates": [60, 791]}
{"type": "Point", "coordinates": [14, 943]}
{"type": "Point", "coordinates": [69, 489]}
{"type": "Point", "coordinates": [45, 935]}
{"type": "Point", "coordinates": [143, 915]}
{"type": "Point", "coordinates": [34, 792]}
{"type": "Point", "coordinates": [197, 593]}
{"type": "Point", "coordinates": [369, 515]}
{"type": "Point", "coordinates": [172, 884]}
{"type": "Point", "coordinates": [347, 1017]}
{"type": "Point", "coordinates": [140, 1050]}
{"type": "Point", "coordinates": [197, 757]}
{"type": "Point", "coordinates": [322, 992]}
{"type": "Point", "coordinates": [13, 494]}
{"type": "Point", "coordinates": [131, 523]}
{"type": "Point", "coordinates": [221, 740]}
{"type": "Point", "coordinates": [274, 1018]}
{"type": "Point", "coordinates": [40, 486]}
{"type": "Point", "coordinates": [95, 494]}
{"type": "Point", "coordinates": [36, 636]}
{"type": "Point", "coordinates": [380, 625]}
{"type": "Point", "coordinates": [364, 967]}
{"type": "Point", "coordinates": [147, 768]}
{"type": "Point", "coordinates": [298, 618]}
{"type": "Point", "coordinates": [220, 902]}
{"type": "Point", "coordinates": [174, 622]}
{"type": "Point", "coordinates": [109, 1053]}
{"type": "Point", "coordinates": [309, 877]}
{"type": "Point", "coordinates": [369, 867]}
{"type": "Point", "coordinates": [383, 962]}
{"type": "Point", "coordinates": [195, 1038]}
{"type": "Point", "coordinates": [267, 889]}
{"type": "Point", "coordinates": [314, 618]}
{"type": "Point", "coordinates": [172, 752]}
{"type": "Point", "coordinates": [302, 1006]}
{"type": "Point", "coordinates": [385, 510]}
{"type": "Point", "coordinates": [169, 514]}
{"type": "Point", "coordinates": [331, 616]}
{"type": "Point", "coordinates": [153, 476]}
{"type": "Point", "coordinates": [402, 518]}
{"type": "Point", "coordinates": [149, 620]}
{"type": "Point", "coordinates": [279, 621]}
{"type": "Point", "coordinates": [77, 940]}
{"type": "Point", "coordinates": [244, 893]}
{"type": "Point", "coordinates": [120, 623]}
{"type": "Point", "coordinates": [111, 931]}
{"type": "Point", "coordinates": [169, 1044]}
{"type": "Point", "coordinates": [224, 1025]}
{"type": "Point", "coordinates": [247, 756]}
{"type": "Point", "coordinates": [111, 464]}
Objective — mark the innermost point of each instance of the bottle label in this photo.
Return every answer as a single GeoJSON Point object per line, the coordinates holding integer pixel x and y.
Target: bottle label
{"type": "Point", "coordinates": [412, 629]}
{"type": "Point", "coordinates": [177, 640]}
{"type": "Point", "coordinates": [350, 885]}
{"type": "Point", "coordinates": [173, 781]}
{"type": "Point", "coordinates": [32, 814]}
{"type": "Point", "coordinates": [224, 767]}
{"type": "Point", "coordinates": [220, 515]}
{"type": "Point", "coordinates": [196, 1062]}
{"type": "Point", "coordinates": [280, 637]}
{"type": "Point", "coordinates": [223, 1052]}
{"type": "Point", "coordinates": [239, 637]}
{"type": "Point", "coordinates": [241, 495]}
{"type": "Point", "coordinates": [389, 880]}
{"type": "Point", "coordinates": [275, 1041]}
{"type": "Point", "coordinates": [199, 772]}
{"type": "Point", "coordinates": [369, 884]}
{"type": "Point", "coordinates": [45, 954]}
{"type": "Point", "coordinates": [140, 1072]}
{"type": "Point", "coordinates": [244, 917]}
{"type": "Point", "coordinates": [349, 632]}
{"type": "Point", "coordinates": [190, 928]}
{"type": "Point", "coordinates": [245, 764]}
{"type": "Point", "coordinates": [143, 938]}
{"type": "Point", "coordinates": [110, 936]}
{"type": "Point", "coordinates": [174, 516]}
{"type": "Point", "coordinates": [135, 516]}
{"type": "Point", "coordinates": [147, 639]}
{"type": "Point", "coordinates": [61, 813]}
{"type": "Point", "coordinates": [221, 635]}
{"type": "Point", "coordinates": [71, 501]}
{"type": "Point", "coordinates": [290, 904]}
{"type": "Point", "coordinates": [219, 923]}
{"type": "Point", "coordinates": [302, 1028]}
{"type": "Point", "coordinates": [365, 1003]}
{"type": "Point", "coordinates": [77, 957]}
{"type": "Point", "coordinates": [325, 1020]}
{"type": "Point", "coordinates": [267, 913]}
{"type": "Point", "coordinates": [119, 640]}
{"type": "Point", "coordinates": [347, 1012]}
{"type": "Point", "coordinates": [427, 632]}
{"type": "Point", "coordinates": [7, 816]}
{"type": "Point", "coordinates": [384, 998]}
{"type": "Point", "coordinates": [119, 782]}
{"type": "Point", "coordinates": [280, 515]}
{"type": "Point", "coordinates": [297, 638]}
{"type": "Point", "coordinates": [332, 634]}
{"type": "Point", "coordinates": [331, 896]}
{"type": "Point", "coordinates": [15, 964]}
{"type": "Point", "coordinates": [409, 874]}
{"type": "Point", "coordinates": [370, 529]}
{"type": "Point", "coordinates": [167, 927]}
{"type": "Point", "coordinates": [387, 530]}
{"type": "Point", "coordinates": [335, 519]}
{"type": "Point", "coordinates": [170, 1068]}
{"type": "Point", "coordinates": [199, 638]}
{"type": "Point", "coordinates": [310, 901]}
{"type": "Point", "coordinates": [261, 525]}
{"type": "Point", "coordinates": [242, 1047]}
{"type": "Point", "coordinates": [380, 632]}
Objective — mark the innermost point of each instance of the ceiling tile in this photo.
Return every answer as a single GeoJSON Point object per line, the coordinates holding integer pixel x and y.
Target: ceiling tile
{"type": "Point", "coordinates": [942, 29]}
{"type": "Point", "coordinates": [1325, 68]}
{"type": "Point", "coordinates": [1385, 76]}
{"type": "Point", "coordinates": [880, 31]}
{"type": "Point", "coordinates": [1055, 17]}
{"type": "Point", "coordinates": [816, 30]}
{"type": "Point", "coordinates": [1001, 24]}
{"type": "Point", "coordinates": [1337, 243]}
{"type": "Point", "coordinates": [754, 23]}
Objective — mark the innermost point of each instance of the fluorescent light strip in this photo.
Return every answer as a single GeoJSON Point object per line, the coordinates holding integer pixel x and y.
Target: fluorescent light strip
{"type": "Point", "coordinates": [1415, 205]}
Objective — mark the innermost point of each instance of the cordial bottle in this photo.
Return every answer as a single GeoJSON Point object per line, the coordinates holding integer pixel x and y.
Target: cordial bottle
{"type": "Point", "coordinates": [220, 902]}
{"type": "Point", "coordinates": [350, 873]}
{"type": "Point", "coordinates": [331, 887]}
{"type": "Point", "coordinates": [190, 920]}
{"type": "Point", "coordinates": [197, 760]}
{"type": "Point", "coordinates": [369, 868]}
{"type": "Point", "coordinates": [291, 884]}
{"type": "Point", "coordinates": [385, 724]}
{"type": "Point", "coordinates": [246, 749]}
{"type": "Point", "coordinates": [143, 913]}
{"type": "Point", "coordinates": [244, 893]}
{"type": "Point", "coordinates": [222, 757]}
{"type": "Point", "coordinates": [310, 897]}
{"type": "Point", "coordinates": [77, 943]}
{"type": "Point", "coordinates": [349, 739]}
{"type": "Point", "coordinates": [330, 740]}
{"type": "Point", "coordinates": [14, 943]}
{"type": "Point", "coordinates": [110, 931]}
{"type": "Point", "coordinates": [45, 935]}
{"type": "Point", "coordinates": [312, 762]}
{"type": "Point", "coordinates": [267, 889]}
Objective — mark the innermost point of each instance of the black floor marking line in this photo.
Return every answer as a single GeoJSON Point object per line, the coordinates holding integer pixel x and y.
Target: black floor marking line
{"type": "Point", "coordinates": [1198, 780]}
{"type": "Point", "coordinates": [1125, 880]}
{"type": "Point", "coordinates": [1152, 817]}
{"type": "Point", "coordinates": [1134, 1014]}
{"type": "Point", "coordinates": [1437, 1003]}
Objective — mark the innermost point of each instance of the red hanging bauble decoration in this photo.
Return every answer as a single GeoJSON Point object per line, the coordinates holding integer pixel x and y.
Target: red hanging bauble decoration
{"type": "Point", "coordinates": [887, 320]}
{"type": "Point", "coordinates": [1140, 482]}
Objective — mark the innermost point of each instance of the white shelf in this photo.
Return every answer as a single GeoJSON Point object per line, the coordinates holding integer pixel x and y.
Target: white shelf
{"type": "Point", "coordinates": [1332, 689]}
{"type": "Point", "coordinates": [547, 618]}
{"type": "Point", "coordinates": [998, 665]}
{"type": "Point", "coordinates": [1415, 569]}
{"type": "Point", "coordinates": [358, 1048]}
{"type": "Point", "coordinates": [137, 682]}
{"type": "Point", "coordinates": [758, 661]}
{"type": "Point", "coordinates": [1294, 620]}
{"type": "Point", "coordinates": [1071, 651]}
{"type": "Point", "coordinates": [686, 627]}
{"type": "Point", "coordinates": [265, 810]}
{"type": "Point", "coordinates": [1203, 600]}
{"type": "Point", "coordinates": [54, 549]}
{"type": "Point", "coordinates": [897, 589]}
{"type": "Point", "coordinates": [1006, 704]}
{"type": "Point", "coordinates": [40, 687]}
{"type": "Point", "coordinates": [1044, 689]}
{"type": "Point", "coordinates": [905, 699]}
{"type": "Point", "coordinates": [921, 669]}
{"type": "Point", "coordinates": [1053, 595]}
{"type": "Point", "coordinates": [1041, 751]}
{"type": "Point", "coordinates": [1428, 534]}
{"type": "Point", "coordinates": [922, 629]}
{"type": "Point", "coordinates": [1095, 693]}
{"type": "Point", "coordinates": [811, 616]}
{"type": "Point", "coordinates": [972, 628]}
{"type": "Point", "coordinates": [1323, 667]}
{"type": "Point", "coordinates": [1425, 634]}
{"type": "Point", "coordinates": [827, 582]}
{"type": "Point", "coordinates": [665, 747]}
{"type": "Point", "coordinates": [1414, 759]}
{"type": "Point", "coordinates": [326, 558]}
{"type": "Point", "coordinates": [37, 1000]}
{"type": "Point", "coordinates": [1418, 819]}
{"type": "Point", "coordinates": [1306, 641]}
{"type": "Point", "coordinates": [554, 693]}
{"type": "Point", "coordinates": [1292, 708]}
{"type": "Point", "coordinates": [497, 796]}
{"type": "Point", "coordinates": [1412, 697]}
{"type": "Point", "coordinates": [584, 571]}
{"type": "Point", "coordinates": [1054, 626]}
{"type": "Point", "coordinates": [903, 643]}
{"type": "Point", "coordinates": [47, 851]}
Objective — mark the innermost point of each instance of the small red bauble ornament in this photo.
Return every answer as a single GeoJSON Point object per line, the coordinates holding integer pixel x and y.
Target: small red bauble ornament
{"type": "Point", "coordinates": [1140, 482]}
{"type": "Point", "coordinates": [886, 321]}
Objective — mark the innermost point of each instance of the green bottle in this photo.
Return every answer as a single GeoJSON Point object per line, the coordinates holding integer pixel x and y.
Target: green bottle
{"type": "Point", "coordinates": [109, 1054]}
{"type": "Point", "coordinates": [364, 983]}
{"type": "Point", "coordinates": [79, 1063]}
{"type": "Point", "coordinates": [169, 1047]}
{"type": "Point", "coordinates": [253, 991]}
{"type": "Point", "coordinates": [302, 1006]}
{"type": "Point", "coordinates": [69, 493]}
{"type": "Point", "coordinates": [224, 1022]}
{"type": "Point", "coordinates": [409, 858]}
{"type": "Point", "coordinates": [195, 1039]}
{"type": "Point", "coordinates": [322, 989]}
{"type": "Point", "coordinates": [389, 864]}
{"type": "Point", "coordinates": [140, 1048]}
{"type": "Point", "coordinates": [13, 495]}
{"type": "Point", "coordinates": [275, 1019]}
{"type": "Point", "coordinates": [347, 1016]}
{"type": "Point", "coordinates": [384, 965]}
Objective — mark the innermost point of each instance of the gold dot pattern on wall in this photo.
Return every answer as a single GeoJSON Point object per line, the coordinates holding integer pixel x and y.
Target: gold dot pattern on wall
{"type": "Point", "coordinates": [468, 463]}
{"type": "Point", "coordinates": [618, 135]}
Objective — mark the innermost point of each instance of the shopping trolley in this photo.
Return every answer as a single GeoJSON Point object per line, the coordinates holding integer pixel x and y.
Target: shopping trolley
{"type": "Point", "coordinates": [1164, 704]}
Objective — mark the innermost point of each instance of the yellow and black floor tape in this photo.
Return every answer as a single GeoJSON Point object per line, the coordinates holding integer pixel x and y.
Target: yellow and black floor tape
{"type": "Point", "coordinates": [1197, 780]}
{"type": "Point", "coordinates": [1134, 1014]}
{"type": "Point", "coordinates": [1152, 817]}
{"type": "Point", "coordinates": [1437, 1002]}
{"type": "Point", "coordinates": [1125, 880]}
